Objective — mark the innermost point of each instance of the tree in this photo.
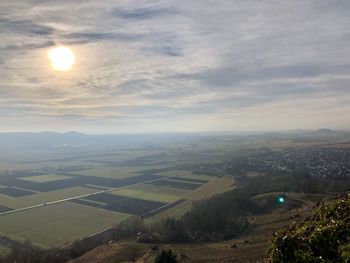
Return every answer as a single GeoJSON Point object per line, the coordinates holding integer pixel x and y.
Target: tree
{"type": "Point", "coordinates": [166, 256]}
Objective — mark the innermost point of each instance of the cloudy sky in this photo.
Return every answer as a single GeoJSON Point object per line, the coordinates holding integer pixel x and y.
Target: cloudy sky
{"type": "Point", "coordinates": [175, 65]}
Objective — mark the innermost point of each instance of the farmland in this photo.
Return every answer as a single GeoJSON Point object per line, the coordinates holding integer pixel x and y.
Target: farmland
{"type": "Point", "coordinates": [60, 195]}
{"type": "Point", "coordinates": [86, 203]}
{"type": "Point", "coordinates": [250, 247]}
{"type": "Point", "coordinates": [93, 212]}
{"type": "Point", "coordinates": [57, 194]}
{"type": "Point", "coordinates": [55, 225]}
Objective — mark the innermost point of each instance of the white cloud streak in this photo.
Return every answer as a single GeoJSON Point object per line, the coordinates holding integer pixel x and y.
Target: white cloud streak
{"type": "Point", "coordinates": [176, 65]}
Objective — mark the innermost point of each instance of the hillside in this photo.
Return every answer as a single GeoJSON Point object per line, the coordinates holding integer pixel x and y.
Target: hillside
{"type": "Point", "coordinates": [322, 237]}
{"type": "Point", "coordinates": [250, 246]}
{"type": "Point", "coordinates": [235, 202]}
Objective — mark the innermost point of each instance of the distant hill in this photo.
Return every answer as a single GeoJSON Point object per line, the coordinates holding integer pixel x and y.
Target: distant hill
{"type": "Point", "coordinates": [325, 131]}
{"type": "Point", "coordinates": [323, 237]}
{"type": "Point", "coordinates": [53, 140]}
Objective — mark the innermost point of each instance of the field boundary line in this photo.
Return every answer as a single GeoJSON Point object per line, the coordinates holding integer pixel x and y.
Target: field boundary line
{"type": "Point", "coordinates": [76, 197]}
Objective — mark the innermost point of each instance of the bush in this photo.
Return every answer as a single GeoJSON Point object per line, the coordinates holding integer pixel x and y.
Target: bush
{"type": "Point", "coordinates": [323, 237]}
{"type": "Point", "coordinates": [166, 256]}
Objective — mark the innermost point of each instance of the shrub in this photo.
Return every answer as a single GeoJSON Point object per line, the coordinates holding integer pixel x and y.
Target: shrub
{"type": "Point", "coordinates": [166, 256]}
{"type": "Point", "coordinates": [323, 237]}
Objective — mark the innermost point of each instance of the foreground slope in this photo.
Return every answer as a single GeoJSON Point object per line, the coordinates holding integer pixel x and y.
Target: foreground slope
{"type": "Point", "coordinates": [323, 237]}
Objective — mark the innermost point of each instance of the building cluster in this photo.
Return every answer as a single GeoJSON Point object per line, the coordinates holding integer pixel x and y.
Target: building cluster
{"type": "Point", "coordinates": [324, 162]}
{"type": "Point", "coordinates": [315, 161]}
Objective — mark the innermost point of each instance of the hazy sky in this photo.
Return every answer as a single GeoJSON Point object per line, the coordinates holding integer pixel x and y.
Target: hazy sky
{"type": "Point", "coordinates": [179, 65]}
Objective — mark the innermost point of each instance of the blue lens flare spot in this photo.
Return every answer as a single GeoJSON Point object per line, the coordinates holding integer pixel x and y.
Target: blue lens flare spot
{"type": "Point", "coordinates": [281, 200]}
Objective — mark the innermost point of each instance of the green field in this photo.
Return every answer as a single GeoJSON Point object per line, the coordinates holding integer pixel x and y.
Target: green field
{"type": "Point", "coordinates": [110, 172]}
{"type": "Point", "coordinates": [40, 198]}
{"type": "Point", "coordinates": [160, 190]}
{"type": "Point", "coordinates": [57, 225]}
{"type": "Point", "coordinates": [215, 186]}
{"type": "Point", "coordinates": [45, 178]}
{"type": "Point", "coordinates": [146, 195]}
{"type": "Point", "coordinates": [100, 179]}
{"type": "Point", "coordinates": [61, 223]}
{"type": "Point", "coordinates": [187, 174]}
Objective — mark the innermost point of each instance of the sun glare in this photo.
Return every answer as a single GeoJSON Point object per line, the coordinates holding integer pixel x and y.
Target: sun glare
{"type": "Point", "coordinates": [62, 58]}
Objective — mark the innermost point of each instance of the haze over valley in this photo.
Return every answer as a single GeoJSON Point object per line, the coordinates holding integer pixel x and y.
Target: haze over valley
{"type": "Point", "coordinates": [174, 131]}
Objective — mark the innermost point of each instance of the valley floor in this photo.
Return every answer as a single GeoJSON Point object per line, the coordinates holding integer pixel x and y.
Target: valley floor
{"type": "Point", "coordinates": [250, 247]}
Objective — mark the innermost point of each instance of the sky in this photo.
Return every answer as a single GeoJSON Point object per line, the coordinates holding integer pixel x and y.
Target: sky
{"type": "Point", "coordinates": [175, 65]}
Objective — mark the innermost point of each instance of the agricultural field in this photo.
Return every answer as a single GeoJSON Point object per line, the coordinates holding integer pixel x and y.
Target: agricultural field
{"type": "Point", "coordinates": [45, 178]}
{"type": "Point", "coordinates": [57, 225]}
{"type": "Point", "coordinates": [52, 196]}
{"type": "Point", "coordinates": [60, 197]}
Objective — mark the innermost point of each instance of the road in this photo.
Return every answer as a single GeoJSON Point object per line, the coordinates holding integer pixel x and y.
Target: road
{"type": "Point", "coordinates": [75, 197]}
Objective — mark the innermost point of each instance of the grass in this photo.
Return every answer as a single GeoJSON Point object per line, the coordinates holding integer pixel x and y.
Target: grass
{"type": "Point", "coordinates": [110, 172]}
{"type": "Point", "coordinates": [45, 178]}
{"type": "Point", "coordinates": [60, 224]}
{"type": "Point", "coordinates": [122, 252]}
{"type": "Point", "coordinates": [266, 224]}
{"type": "Point", "coordinates": [146, 195]}
{"type": "Point", "coordinates": [250, 247]}
{"type": "Point", "coordinates": [160, 197]}
{"type": "Point", "coordinates": [175, 212]}
{"type": "Point", "coordinates": [176, 179]}
{"type": "Point", "coordinates": [118, 172]}
{"type": "Point", "coordinates": [57, 225]}
{"type": "Point", "coordinates": [116, 253]}
{"type": "Point", "coordinates": [160, 189]}
{"type": "Point", "coordinates": [40, 198]}
{"type": "Point", "coordinates": [186, 174]}
{"type": "Point", "coordinates": [215, 186]}
{"type": "Point", "coordinates": [219, 252]}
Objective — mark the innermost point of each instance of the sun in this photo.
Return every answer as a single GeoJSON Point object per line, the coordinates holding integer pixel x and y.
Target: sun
{"type": "Point", "coordinates": [62, 58]}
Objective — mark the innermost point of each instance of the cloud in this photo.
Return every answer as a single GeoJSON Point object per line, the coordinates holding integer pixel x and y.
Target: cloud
{"type": "Point", "coordinates": [91, 37]}
{"type": "Point", "coordinates": [143, 13]}
{"type": "Point", "coordinates": [172, 65]}
{"type": "Point", "coordinates": [27, 46]}
{"type": "Point", "coordinates": [26, 27]}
